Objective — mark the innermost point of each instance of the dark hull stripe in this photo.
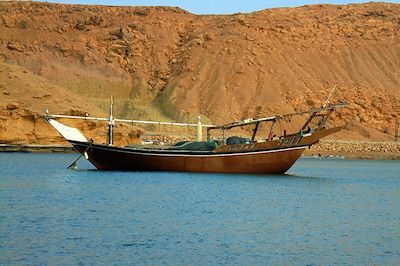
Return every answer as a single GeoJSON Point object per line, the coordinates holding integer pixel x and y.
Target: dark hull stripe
{"type": "Point", "coordinates": [154, 152]}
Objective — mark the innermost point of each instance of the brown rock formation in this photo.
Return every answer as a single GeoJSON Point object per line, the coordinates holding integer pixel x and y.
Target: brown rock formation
{"type": "Point", "coordinates": [23, 97]}
{"type": "Point", "coordinates": [165, 63]}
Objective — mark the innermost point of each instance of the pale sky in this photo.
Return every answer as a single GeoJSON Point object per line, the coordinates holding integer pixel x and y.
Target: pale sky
{"type": "Point", "coordinates": [215, 7]}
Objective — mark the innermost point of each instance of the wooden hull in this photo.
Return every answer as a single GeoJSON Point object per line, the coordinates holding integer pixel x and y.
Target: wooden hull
{"type": "Point", "coordinates": [272, 155]}
{"type": "Point", "coordinates": [276, 161]}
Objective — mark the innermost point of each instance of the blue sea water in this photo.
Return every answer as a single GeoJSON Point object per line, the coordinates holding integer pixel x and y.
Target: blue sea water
{"type": "Point", "coordinates": [322, 212]}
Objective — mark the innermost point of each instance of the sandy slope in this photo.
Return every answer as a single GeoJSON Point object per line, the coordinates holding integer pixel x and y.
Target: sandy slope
{"type": "Point", "coordinates": [25, 97]}
{"type": "Point", "coordinates": [165, 63]}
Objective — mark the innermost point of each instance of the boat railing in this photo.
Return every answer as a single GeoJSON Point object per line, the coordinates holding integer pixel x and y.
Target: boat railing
{"type": "Point", "coordinates": [314, 112]}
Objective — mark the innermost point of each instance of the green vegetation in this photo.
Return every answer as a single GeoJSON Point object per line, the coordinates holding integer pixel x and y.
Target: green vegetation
{"type": "Point", "coordinates": [23, 24]}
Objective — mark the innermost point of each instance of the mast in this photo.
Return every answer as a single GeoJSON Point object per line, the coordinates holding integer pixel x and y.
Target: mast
{"type": "Point", "coordinates": [199, 129]}
{"type": "Point", "coordinates": [111, 123]}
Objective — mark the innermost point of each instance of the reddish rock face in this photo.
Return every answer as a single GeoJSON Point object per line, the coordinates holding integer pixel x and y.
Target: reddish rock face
{"type": "Point", "coordinates": [25, 97]}
{"type": "Point", "coordinates": [167, 64]}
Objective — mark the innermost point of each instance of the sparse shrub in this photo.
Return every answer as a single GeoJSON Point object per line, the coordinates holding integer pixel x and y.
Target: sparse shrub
{"type": "Point", "coordinates": [141, 12]}
{"type": "Point", "coordinates": [80, 26]}
{"type": "Point", "coordinates": [23, 24]}
{"type": "Point", "coordinates": [94, 20]}
{"type": "Point", "coordinates": [120, 34]}
{"type": "Point", "coordinates": [134, 26]}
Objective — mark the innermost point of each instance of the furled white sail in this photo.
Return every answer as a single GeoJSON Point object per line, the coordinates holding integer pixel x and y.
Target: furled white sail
{"type": "Point", "coordinates": [69, 133]}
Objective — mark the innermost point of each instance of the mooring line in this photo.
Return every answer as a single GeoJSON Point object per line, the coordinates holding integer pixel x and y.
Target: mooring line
{"type": "Point", "coordinates": [73, 164]}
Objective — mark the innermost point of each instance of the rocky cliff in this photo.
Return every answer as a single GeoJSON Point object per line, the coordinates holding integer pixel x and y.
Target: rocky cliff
{"type": "Point", "coordinates": [167, 64]}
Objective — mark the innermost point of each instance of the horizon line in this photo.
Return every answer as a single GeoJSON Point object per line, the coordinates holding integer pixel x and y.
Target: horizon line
{"type": "Point", "coordinates": [213, 10]}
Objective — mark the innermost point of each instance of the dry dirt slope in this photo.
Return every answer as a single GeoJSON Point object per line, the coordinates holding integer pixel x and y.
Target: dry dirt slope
{"type": "Point", "coordinates": [24, 97]}
{"type": "Point", "coordinates": [165, 63]}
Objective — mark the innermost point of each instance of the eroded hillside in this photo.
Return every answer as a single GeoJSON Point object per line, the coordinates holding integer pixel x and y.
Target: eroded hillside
{"type": "Point", "coordinates": [25, 95]}
{"type": "Point", "coordinates": [167, 64]}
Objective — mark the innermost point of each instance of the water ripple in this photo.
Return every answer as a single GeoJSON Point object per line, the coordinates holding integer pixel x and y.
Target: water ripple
{"type": "Point", "coordinates": [322, 212]}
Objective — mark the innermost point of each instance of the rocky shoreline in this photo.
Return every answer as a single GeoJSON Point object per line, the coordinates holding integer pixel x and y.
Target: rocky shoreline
{"type": "Point", "coordinates": [385, 150]}
{"type": "Point", "coordinates": [36, 148]}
